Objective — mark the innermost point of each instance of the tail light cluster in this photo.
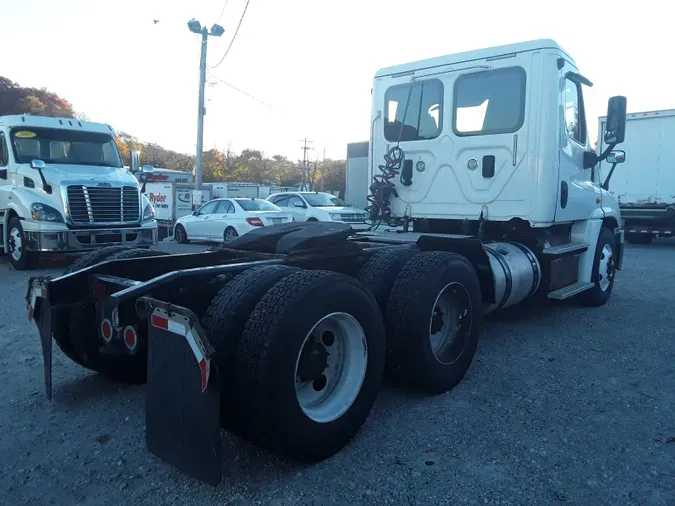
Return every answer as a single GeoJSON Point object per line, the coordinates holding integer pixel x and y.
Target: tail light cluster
{"type": "Point", "coordinates": [255, 222]}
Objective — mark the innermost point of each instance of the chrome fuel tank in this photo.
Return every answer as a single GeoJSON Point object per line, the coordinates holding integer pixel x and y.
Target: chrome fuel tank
{"type": "Point", "coordinates": [516, 272]}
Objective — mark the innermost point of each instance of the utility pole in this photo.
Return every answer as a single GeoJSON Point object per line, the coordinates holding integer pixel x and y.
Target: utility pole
{"type": "Point", "coordinates": [201, 111]}
{"type": "Point", "coordinates": [216, 31]}
{"type": "Point", "coordinates": [304, 169]}
{"type": "Point", "coordinates": [323, 167]}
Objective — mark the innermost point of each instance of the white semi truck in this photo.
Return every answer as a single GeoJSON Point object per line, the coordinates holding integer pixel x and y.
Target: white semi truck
{"type": "Point", "coordinates": [64, 189]}
{"type": "Point", "coordinates": [283, 335]}
{"type": "Point", "coordinates": [645, 186]}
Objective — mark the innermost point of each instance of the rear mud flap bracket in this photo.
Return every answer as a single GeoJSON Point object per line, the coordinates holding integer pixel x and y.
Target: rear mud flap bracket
{"type": "Point", "coordinates": [182, 409]}
{"type": "Point", "coordinates": [40, 312]}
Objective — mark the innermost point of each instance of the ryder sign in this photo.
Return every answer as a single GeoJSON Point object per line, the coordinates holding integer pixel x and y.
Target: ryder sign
{"type": "Point", "coordinates": [161, 198]}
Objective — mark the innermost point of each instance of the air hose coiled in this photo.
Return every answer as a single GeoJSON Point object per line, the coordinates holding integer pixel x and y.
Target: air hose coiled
{"type": "Point", "coordinates": [383, 188]}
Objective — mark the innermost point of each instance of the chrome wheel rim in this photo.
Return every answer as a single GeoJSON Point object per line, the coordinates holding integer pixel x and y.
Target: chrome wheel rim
{"type": "Point", "coordinates": [230, 235]}
{"type": "Point", "coordinates": [450, 323]}
{"type": "Point", "coordinates": [606, 268]}
{"type": "Point", "coordinates": [15, 244]}
{"type": "Point", "coordinates": [331, 367]}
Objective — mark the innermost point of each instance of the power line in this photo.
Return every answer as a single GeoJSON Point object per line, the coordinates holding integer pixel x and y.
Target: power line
{"type": "Point", "coordinates": [235, 36]}
{"type": "Point", "coordinates": [244, 93]}
{"type": "Point", "coordinates": [222, 12]}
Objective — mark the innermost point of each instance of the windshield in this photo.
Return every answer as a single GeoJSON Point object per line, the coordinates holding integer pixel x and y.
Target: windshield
{"type": "Point", "coordinates": [323, 200]}
{"type": "Point", "coordinates": [256, 205]}
{"type": "Point", "coordinates": [55, 146]}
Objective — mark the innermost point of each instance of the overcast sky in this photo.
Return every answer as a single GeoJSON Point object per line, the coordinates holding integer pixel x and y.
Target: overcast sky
{"type": "Point", "coordinates": [311, 62]}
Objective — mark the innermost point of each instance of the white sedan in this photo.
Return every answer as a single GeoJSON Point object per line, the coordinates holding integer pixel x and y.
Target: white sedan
{"type": "Point", "coordinates": [319, 206]}
{"type": "Point", "coordinates": [223, 220]}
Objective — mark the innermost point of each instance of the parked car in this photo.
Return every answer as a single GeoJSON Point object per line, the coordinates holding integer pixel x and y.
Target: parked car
{"type": "Point", "coordinates": [319, 206]}
{"type": "Point", "coordinates": [223, 220]}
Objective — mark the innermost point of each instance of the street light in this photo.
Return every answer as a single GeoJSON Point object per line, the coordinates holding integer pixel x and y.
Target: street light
{"type": "Point", "coordinates": [216, 31]}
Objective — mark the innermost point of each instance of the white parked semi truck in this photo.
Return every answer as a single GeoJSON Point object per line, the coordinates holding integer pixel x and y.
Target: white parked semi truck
{"type": "Point", "coordinates": [645, 186]}
{"type": "Point", "coordinates": [64, 189]}
{"type": "Point", "coordinates": [283, 336]}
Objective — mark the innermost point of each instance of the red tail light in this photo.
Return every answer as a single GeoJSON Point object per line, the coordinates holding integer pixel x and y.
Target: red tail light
{"type": "Point", "coordinates": [254, 222]}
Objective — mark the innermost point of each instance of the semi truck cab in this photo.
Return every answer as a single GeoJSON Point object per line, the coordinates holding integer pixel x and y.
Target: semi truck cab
{"type": "Point", "coordinates": [500, 131]}
{"type": "Point", "coordinates": [64, 188]}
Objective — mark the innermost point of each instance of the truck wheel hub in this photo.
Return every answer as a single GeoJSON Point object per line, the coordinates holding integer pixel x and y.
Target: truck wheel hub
{"type": "Point", "coordinates": [450, 323]}
{"type": "Point", "coordinates": [331, 367]}
{"type": "Point", "coordinates": [313, 361]}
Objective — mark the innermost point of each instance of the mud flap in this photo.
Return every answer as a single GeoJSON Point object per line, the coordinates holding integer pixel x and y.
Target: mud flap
{"type": "Point", "coordinates": [182, 410]}
{"type": "Point", "coordinates": [40, 311]}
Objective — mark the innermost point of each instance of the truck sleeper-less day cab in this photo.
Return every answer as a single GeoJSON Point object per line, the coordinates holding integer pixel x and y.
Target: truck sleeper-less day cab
{"type": "Point", "coordinates": [63, 188]}
{"type": "Point", "coordinates": [282, 336]}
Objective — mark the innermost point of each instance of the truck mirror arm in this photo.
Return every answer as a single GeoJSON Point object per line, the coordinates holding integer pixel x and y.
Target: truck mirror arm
{"type": "Point", "coordinates": [605, 185]}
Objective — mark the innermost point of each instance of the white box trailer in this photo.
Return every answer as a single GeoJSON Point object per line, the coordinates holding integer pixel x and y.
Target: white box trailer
{"type": "Point", "coordinates": [234, 190]}
{"type": "Point", "coordinates": [170, 200]}
{"type": "Point", "coordinates": [645, 183]}
{"type": "Point", "coordinates": [357, 175]}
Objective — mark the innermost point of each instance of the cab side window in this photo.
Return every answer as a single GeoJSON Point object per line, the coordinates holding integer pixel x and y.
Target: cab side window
{"type": "Point", "coordinates": [575, 117]}
{"type": "Point", "coordinates": [4, 156]}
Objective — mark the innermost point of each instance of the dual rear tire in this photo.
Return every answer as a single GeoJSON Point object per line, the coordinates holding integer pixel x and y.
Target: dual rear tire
{"type": "Point", "coordinates": [301, 353]}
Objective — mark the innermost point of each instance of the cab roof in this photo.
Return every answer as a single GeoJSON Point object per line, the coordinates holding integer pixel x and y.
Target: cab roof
{"type": "Point", "coordinates": [25, 120]}
{"type": "Point", "coordinates": [467, 56]}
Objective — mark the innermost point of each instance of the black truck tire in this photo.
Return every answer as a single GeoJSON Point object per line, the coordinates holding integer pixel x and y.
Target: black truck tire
{"type": "Point", "coordinates": [60, 325]}
{"type": "Point", "coordinates": [434, 290]}
{"type": "Point", "coordinates": [280, 352]}
{"type": "Point", "coordinates": [380, 271]}
{"type": "Point", "coordinates": [604, 269]}
{"type": "Point", "coordinates": [94, 257]}
{"type": "Point", "coordinates": [83, 329]}
{"type": "Point", "coordinates": [224, 321]}
{"type": "Point", "coordinates": [26, 259]}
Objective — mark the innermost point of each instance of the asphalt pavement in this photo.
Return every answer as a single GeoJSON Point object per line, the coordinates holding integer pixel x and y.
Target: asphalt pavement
{"type": "Point", "coordinates": [562, 405]}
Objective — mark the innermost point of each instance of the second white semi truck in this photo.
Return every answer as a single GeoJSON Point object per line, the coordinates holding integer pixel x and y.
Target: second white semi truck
{"type": "Point", "coordinates": [64, 189]}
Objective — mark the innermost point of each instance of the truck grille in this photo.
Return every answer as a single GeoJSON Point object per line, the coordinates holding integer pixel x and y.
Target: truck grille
{"type": "Point", "coordinates": [101, 204]}
{"type": "Point", "coordinates": [353, 217]}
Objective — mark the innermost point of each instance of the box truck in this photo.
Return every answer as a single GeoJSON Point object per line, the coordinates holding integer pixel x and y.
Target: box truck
{"type": "Point", "coordinates": [645, 186]}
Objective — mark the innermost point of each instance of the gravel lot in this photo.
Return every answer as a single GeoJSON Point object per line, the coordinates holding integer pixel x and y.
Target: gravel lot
{"type": "Point", "coordinates": [562, 405]}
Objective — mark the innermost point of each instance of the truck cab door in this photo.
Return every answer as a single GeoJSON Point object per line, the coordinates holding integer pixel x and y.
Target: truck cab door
{"type": "Point", "coordinates": [577, 196]}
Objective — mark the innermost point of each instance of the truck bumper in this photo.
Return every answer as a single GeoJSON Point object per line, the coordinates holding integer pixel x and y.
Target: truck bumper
{"type": "Point", "coordinates": [67, 240]}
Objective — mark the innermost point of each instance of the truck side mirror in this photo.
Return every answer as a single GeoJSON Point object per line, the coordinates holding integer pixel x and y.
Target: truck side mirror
{"type": "Point", "coordinates": [37, 164]}
{"type": "Point", "coordinates": [147, 169]}
{"type": "Point", "coordinates": [618, 156]}
{"type": "Point", "coordinates": [135, 160]}
{"type": "Point", "coordinates": [615, 129]}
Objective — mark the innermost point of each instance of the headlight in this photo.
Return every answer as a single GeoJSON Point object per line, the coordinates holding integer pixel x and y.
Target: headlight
{"type": "Point", "coordinates": [43, 212]}
{"type": "Point", "coordinates": [148, 212]}
{"type": "Point", "coordinates": [336, 217]}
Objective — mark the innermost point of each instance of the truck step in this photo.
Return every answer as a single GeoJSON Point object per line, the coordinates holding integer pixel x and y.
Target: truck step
{"type": "Point", "coordinates": [571, 290]}
{"type": "Point", "coordinates": [562, 249]}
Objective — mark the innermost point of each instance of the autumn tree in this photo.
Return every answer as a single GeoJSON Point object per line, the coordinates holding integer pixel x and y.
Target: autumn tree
{"type": "Point", "coordinates": [15, 99]}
